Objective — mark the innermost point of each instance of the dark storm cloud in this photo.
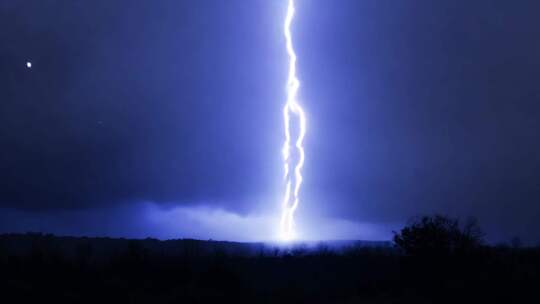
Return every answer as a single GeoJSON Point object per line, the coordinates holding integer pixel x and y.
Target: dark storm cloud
{"type": "Point", "coordinates": [413, 106]}
{"type": "Point", "coordinates": [134, 101]}
{"type": "Point", "coordinates": [435, 108]}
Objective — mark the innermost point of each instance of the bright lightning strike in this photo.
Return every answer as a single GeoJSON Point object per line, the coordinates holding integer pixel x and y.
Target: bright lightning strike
{"type": "Point", "coordinates": [292, 110]}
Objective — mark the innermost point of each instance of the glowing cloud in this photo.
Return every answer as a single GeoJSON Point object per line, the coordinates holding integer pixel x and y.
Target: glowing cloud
{"type": "Point", "coordinates": [291, 110]}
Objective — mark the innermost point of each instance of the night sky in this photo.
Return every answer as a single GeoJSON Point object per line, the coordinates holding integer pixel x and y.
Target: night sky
{"type": "Point", "coordinates": [164, 118]}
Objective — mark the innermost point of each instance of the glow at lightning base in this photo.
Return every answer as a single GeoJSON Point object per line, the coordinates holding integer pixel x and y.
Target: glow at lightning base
{"type": "Point", "coordinates": [291, 110]}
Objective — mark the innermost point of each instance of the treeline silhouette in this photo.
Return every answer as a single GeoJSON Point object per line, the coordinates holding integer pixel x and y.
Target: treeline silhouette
{"type": "Point", "coordinates": [434, 259]}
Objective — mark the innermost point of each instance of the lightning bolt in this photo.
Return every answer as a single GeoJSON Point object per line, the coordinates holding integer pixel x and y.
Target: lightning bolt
{"type": "Point", "coordinates": [291, 110]}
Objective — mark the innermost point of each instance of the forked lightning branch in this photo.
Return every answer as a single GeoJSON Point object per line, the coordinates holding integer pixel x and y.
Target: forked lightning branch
{"type": "Point", "coordinates": [293, 150]}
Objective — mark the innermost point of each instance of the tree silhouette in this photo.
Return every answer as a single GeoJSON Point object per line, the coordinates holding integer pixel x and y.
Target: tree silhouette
{"type": "Point", "coordinates": [438, 235]}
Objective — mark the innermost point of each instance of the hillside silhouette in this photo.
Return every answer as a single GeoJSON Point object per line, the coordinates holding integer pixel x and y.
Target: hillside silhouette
{"type": "Point", "coordinates": [432, 260]}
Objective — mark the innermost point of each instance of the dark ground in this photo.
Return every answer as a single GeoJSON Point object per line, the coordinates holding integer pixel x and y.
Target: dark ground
{"type": "Point", "coordinates": [36, 267]}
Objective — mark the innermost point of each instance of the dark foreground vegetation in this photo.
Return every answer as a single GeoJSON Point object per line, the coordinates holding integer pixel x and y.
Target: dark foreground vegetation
{"type": "Point", "coordinates": [434, 260]}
